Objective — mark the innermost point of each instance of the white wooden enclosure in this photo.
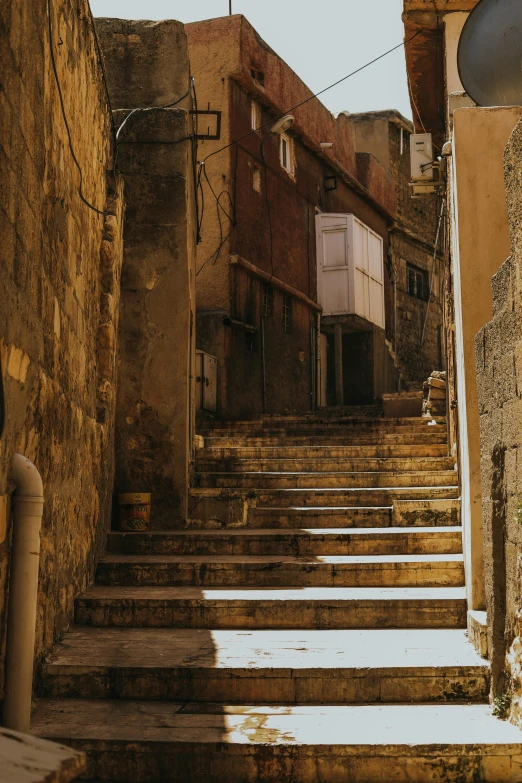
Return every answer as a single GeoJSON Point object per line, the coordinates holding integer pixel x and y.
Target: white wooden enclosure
{"type": "Point", "coordinates": [206, 382]}
{"type": "Point", "coordinates": [350, 273]}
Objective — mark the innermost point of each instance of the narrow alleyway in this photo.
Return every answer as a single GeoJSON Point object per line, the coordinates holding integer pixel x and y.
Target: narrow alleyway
{"type": "Point", "coordinates": [319, 638]}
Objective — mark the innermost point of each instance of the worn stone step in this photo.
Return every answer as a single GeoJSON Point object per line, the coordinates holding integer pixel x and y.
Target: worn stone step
{"type": "Point", "coordinates": [174, 742]}
{"type": "Point", "coordinates": [318, 433]}
{"type": "Point", "coordinates": [422, 513]}
{"type": "Point", "coordinates": [330, 496]}
{"type": "Point", "coordinates": [325, 541]}
{"type": "Point", "coordinates": [282, 570]}
{"type": "Point", "coordinates": [426, 437]}
{"type": "Point", "coordinates": [324, 465]}
{"type": "Point", "coordinates": [326, 451]}
{"type": "Point", "coordinates": [248, 608]}
{"type": "Point", "coordinates": [369, 479]}
{"type": "Point", "coordinates": [267, 667]}
{"type": "Point", "coordinates": [283, 517]}
{"type": "Point", "coordinates": [314, 421]}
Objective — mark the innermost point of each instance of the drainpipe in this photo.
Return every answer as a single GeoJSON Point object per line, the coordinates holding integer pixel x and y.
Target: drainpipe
{"type": "Point", "coordinates": [23, 590]}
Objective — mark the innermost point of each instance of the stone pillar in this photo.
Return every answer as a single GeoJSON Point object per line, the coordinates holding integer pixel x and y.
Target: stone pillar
{"type": "Point", "coordinates": [339, 380]}
{"type": "Point", "coordinates": [147, 68]}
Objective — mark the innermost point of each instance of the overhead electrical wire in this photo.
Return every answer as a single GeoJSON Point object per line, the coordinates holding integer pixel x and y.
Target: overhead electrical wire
{"type": "Point", "coordinates": [315, 95]}
{"type": "Point", "coordinates": [271, 122]}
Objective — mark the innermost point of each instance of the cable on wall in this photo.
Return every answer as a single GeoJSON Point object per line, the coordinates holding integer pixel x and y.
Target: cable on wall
{"type": "Point", "coordinates": [64, 116]}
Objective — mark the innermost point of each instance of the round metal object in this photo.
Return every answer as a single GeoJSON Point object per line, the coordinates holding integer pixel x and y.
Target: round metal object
{"type": "Point", "coordinates": [490, 53]}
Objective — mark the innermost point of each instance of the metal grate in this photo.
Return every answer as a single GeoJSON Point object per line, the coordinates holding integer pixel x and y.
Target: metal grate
{"type": "Point", "coordinates": [268, 301]}
{"type": "Point", "coordinates": [287, 314]}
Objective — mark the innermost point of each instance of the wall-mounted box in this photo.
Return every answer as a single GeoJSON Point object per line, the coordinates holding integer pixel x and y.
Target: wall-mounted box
{"type": "Point", "coordinates": [421, 157]}
{"type": "Point", "coordinates": [350, 268]}
{"type": "Point", "coordinates": [206, 382]}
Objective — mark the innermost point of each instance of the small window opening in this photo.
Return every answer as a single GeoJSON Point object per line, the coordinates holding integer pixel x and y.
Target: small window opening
{"type": "Point", "coordinates": [251, 342]}
{"type": "Point", "coordinates": [255, 116]}
{"type": "Point", "coordinates": [256, 179]}
{"type": "Point", "coordinates": [268, 300]}
{"type": "Point", "coordinates": [287, 314]}
{"type": "Point", "coordinates": [258, 76]}
{"type": "Point", "coordinates": [286, 153]}
{"type": "Point", "coordinates": [418, 283]}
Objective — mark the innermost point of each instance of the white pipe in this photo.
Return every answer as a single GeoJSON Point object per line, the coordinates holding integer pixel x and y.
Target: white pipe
{"type": "Point", "coordinates": [23, 591]}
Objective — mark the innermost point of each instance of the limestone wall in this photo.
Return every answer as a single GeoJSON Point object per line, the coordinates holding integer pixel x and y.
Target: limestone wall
{"type": "Point", "coordinates": [59, 283]}
{"type": "Point", "coordinates": [499, 385]}
{"type": "Point", "coordinates": [148, 69]}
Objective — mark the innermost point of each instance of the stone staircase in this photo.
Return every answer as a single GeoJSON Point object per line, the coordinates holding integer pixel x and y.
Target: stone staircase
{"type": "Point", "coordinates": [315, 636]}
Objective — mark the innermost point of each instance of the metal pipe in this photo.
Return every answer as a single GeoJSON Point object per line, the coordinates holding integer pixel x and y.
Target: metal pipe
{"type": "Point", "coordinates": [263, 364]}
{"type": "Point", "coordinates": [23, 592]}
{"type": "Point", "coordinates": [339, 380]}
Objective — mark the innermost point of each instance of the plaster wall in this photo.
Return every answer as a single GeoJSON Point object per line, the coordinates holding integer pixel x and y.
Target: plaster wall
{"type": "Point", "coordinates": [499, 380]}
{"type": "Point", "coordinates": [59, 277]}
{"type": "Point", "coordinates": [453, 24]}
{"type": "Point", "coordinates": [480, 244]}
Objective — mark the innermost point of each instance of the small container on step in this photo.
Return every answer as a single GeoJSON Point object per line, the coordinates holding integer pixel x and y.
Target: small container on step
{"type": "Point", "coordinates": [134, 511]}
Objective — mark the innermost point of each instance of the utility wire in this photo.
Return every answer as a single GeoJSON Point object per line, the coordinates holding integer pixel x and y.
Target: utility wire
{"type": "Point", "coordinates": [64, 115]}
{"type": "Point", "coordinates": [315, 95]}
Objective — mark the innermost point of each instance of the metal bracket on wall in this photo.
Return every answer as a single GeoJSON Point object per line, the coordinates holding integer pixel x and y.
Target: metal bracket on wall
{"type": "Point", "coordinates": [209, 136]}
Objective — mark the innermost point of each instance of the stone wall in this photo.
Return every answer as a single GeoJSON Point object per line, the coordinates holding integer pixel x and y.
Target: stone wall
{"type": "Point", "coordinates": [59, 278]}
{"type": "Point", "coordinates": [148, 69]}
{"type": "Point", "coordinates": [386, 134]}
{"type": "Point", "coordinates": [499, 384]}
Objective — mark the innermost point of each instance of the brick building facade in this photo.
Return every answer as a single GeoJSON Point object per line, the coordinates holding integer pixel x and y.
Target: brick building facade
{"type": "Point", "coordinates": [258, 249]}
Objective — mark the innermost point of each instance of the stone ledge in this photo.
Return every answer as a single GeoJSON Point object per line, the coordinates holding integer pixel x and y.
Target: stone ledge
{"type": "Point", "coordinates": [28, 759]}
{"type": "Point", "coordinates": [478, 631]}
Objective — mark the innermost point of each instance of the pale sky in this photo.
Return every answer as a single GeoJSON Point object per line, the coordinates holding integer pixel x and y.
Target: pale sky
{"type": "Point", "coordinates": [322, 40]}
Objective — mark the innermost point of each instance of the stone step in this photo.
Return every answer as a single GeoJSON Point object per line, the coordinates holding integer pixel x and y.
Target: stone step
{"type": "Point", "coordinates": [372, 451]}
{"type": "Point", "coordinates": [428, 437]}
{"type": "Point", "coordinates": [274, 517]}
{"type": "Point", "coordinates": [332, 496]}
{"type": "Point", "coordinates": [174, 742]}
{"type": "Point", "coordinates": [282, 570]}
{"type": "Point", "coordinates": [266, 667]}
{"type": "Point", "coordinates": [249, 608]}
{"type": "Point", "coordinates": [324, 465]}
{"type": "Point", "coordinates": [326, 541]}
{"type": "Point", "coordinates": [438, 513]}
{"type": "Point", "coordinates": [375, 432]}
{"type": "Point", "coordinates": [370, 479]}
{"type": "Point", "coordinates": [312, 422]}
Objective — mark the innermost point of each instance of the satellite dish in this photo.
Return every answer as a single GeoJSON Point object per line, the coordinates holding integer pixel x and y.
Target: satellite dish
{"type": "Point", "coordinates": [489, 57]}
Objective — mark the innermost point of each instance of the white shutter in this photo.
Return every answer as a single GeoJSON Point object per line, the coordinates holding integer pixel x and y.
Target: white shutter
{"type": "Point", "coordinates": [350, 277]}
{"type": "Point", "coordinates": [333, 263]}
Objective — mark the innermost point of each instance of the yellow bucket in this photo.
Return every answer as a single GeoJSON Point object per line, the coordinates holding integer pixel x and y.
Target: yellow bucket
{"type": "Point", "coordinates": [134, 511]}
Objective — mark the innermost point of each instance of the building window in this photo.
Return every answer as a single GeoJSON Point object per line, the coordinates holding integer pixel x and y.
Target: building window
{"type": "Point", "coordinates": [268, 300]}
{"type": "Point", "coordinates": [255, 116]}
{"type": "Point", "coordinates": [287, 154]}
{"type": "Point", "coordinates": [256, 179]}
{"type": "Point", "coordinates": [287, 314]}
{"type": "Point", "coordinates": [258, 76]}
{"type": "Point", "coordinates": [418, 282]}
{"type": "Point", "coordinates": [250, 342]}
